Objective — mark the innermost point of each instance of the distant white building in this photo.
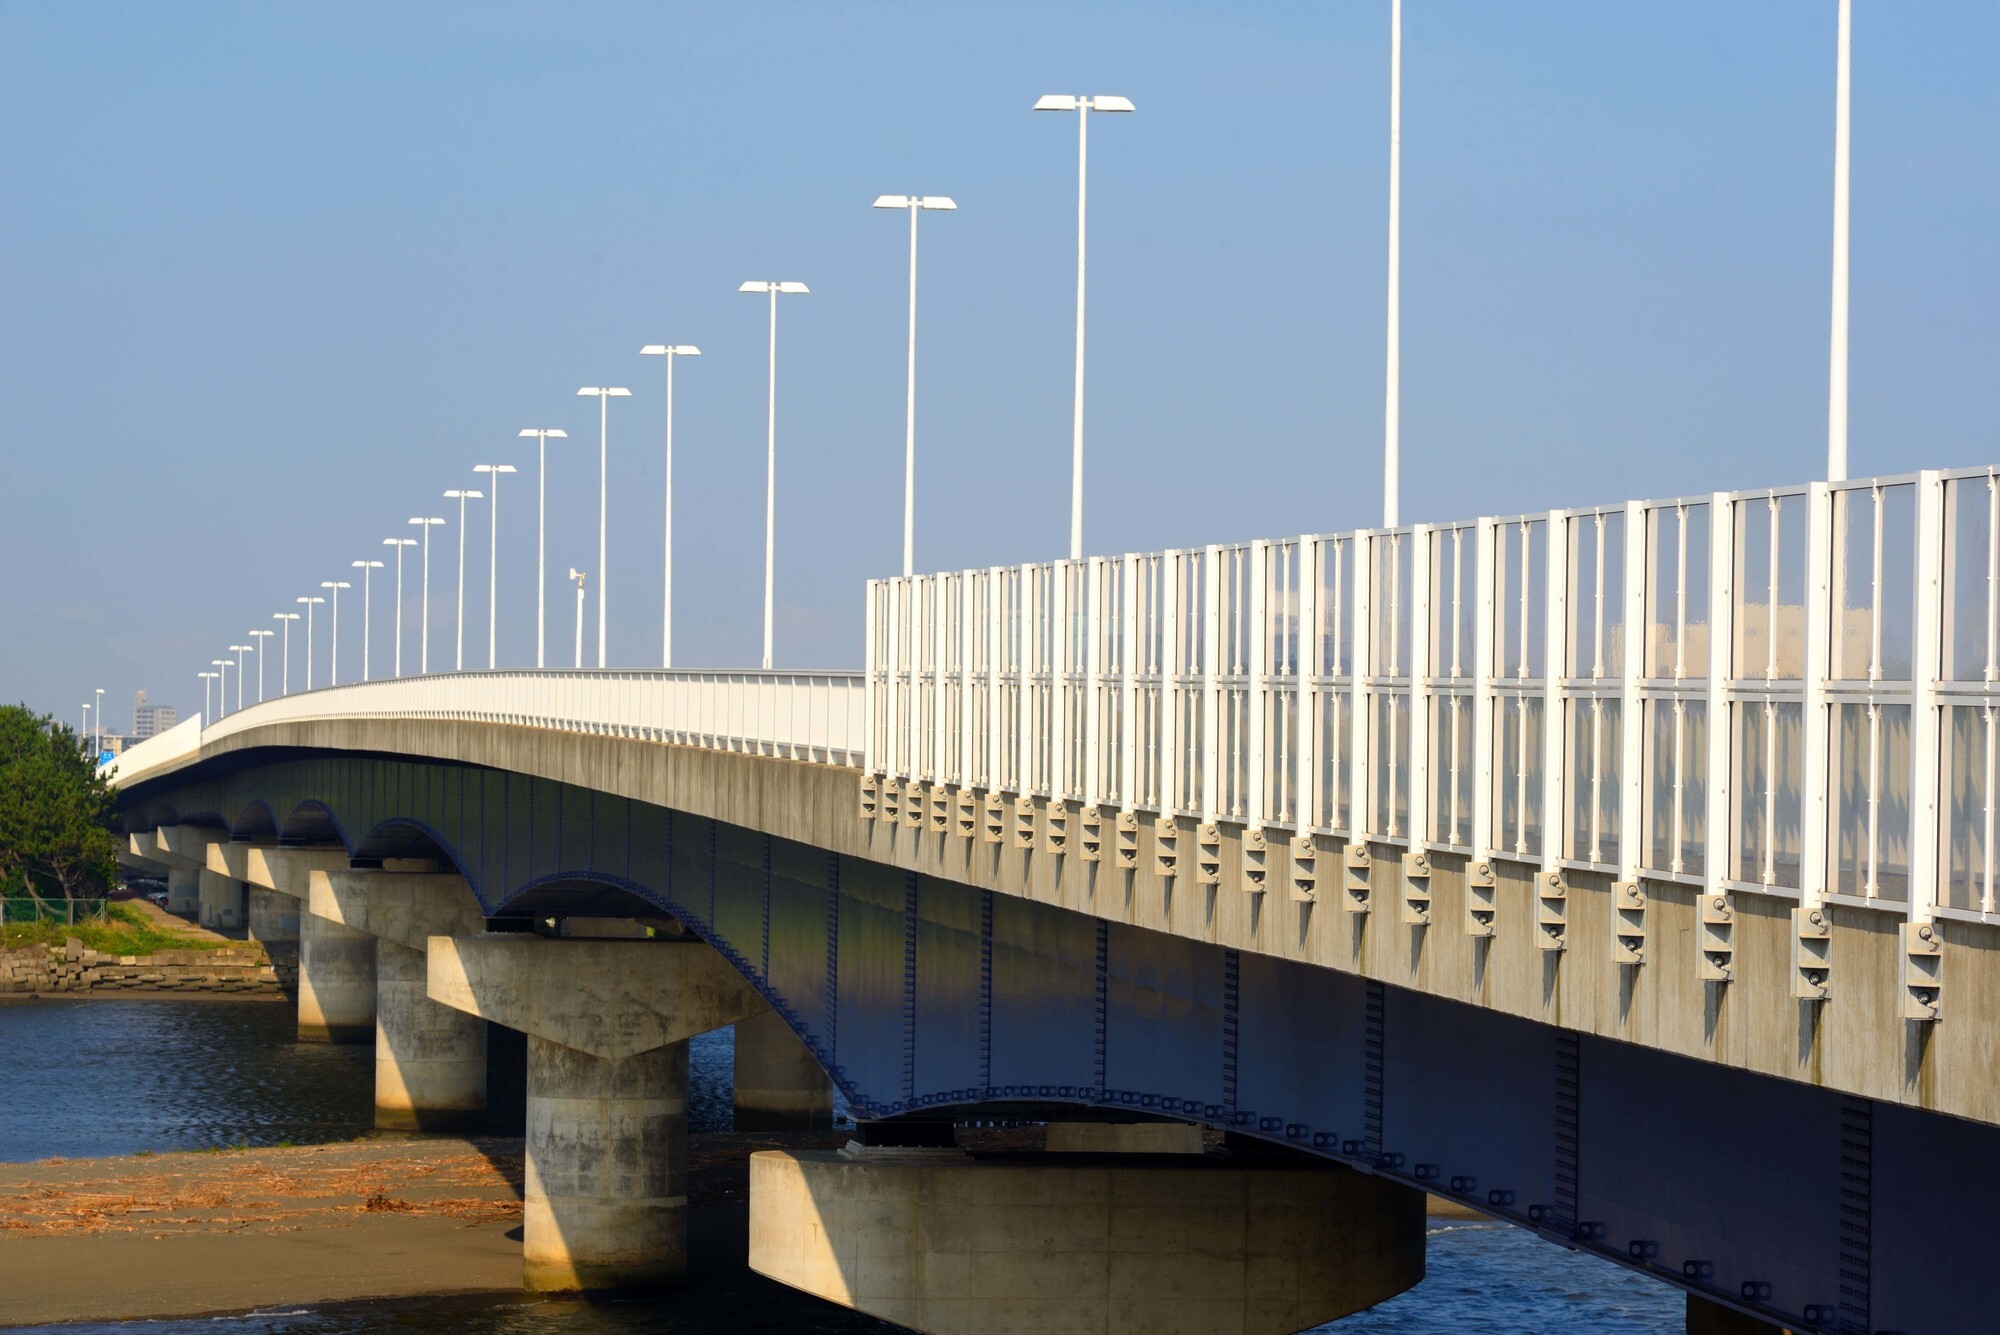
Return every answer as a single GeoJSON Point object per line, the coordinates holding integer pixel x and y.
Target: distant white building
{"type": "Point", "coordinates": [150, 719]}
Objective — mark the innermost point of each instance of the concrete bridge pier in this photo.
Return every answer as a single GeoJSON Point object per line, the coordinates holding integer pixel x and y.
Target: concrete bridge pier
{"type": "Point", "coordinates": [779, 1083]}
{"type": "Point", "coordinates": [608, 1021]}
{"type": "Point", "coordinates": [184, 891]}
{"type": "Point", "coordinates": [430, 1060]}
{"type": "Point", "coordinates": [1065, 1244]}
{"type": "Point", "coordinates": [222, 902]}
{"type": "Point", "coordinates": [336, 967]}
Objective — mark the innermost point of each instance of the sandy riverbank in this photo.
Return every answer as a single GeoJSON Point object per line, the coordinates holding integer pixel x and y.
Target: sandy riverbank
{"type": "Point", "coordinates": [189, 1234]}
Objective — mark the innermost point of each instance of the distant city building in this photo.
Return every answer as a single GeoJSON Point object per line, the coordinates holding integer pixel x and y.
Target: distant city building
{"type": "Point", "coordinates": [150, 719]}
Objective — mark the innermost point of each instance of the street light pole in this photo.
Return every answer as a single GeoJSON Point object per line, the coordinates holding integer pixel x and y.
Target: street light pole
{"type": "Point", "coordinates": [1836, 408]}
{"type": "Point", "coordinates": [669, 351]}
{"type": "Point", "coordinates": [1392, 419]}
{"type": "Point", "coordinates": [578, 576]}
{"type": "Point", "coordinates": [461, 497]}
{"type": "Point", "coordinates": [221, 666]}
{"type": "Point", "coordinates": [367, 569]}
{"type": "Point", "coordinates": [285, 619]}
{"type": "Point", "coordinates": [333, 675]}
{"type": "Point", "coordinates": [206, 707]}
{"type": "Point", "coordinates": [424, 630]}
{"type": "Point", "coordinates": [604, 396]}
{"type": "Point", "coordinates": [493, 559]}
{"type": "Point", "coordinates": [239, 650]}
{"type": "Point", "coordinates": [915, 204]}
{"type": "Point", "coordinates": [310, 604]}
{"type": "Point", "coordinates": [399, 544]}
{"type": "Point", "coordinates": [775, 289]}
{"type": "Point", "coordinates": [542, 437]}
{"type": "Point", "coordinates": [261, 636]}
{"type": "Point", "coordinates": [98, 715]}
{"type": "Point", "coordinates": [1082, 106]}
{"type": "Point", "coordinates": [83, 736]}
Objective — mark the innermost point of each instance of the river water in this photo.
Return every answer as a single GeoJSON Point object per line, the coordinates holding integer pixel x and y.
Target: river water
{"type": "Point", "coordinates": [88, 1078]}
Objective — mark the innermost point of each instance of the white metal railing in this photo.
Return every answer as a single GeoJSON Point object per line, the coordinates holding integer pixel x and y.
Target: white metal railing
{"type": "Point", "coordinates": [813, 716]}
{"type": "Point", "coordinates": [1792, 691]}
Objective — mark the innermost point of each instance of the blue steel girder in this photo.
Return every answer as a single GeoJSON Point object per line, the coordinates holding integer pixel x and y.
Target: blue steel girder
{"type": "Point", "coordinates": [1816, 1210]}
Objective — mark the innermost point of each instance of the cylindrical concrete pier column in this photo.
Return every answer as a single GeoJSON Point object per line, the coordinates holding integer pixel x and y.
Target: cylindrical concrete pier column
{"type": "Point", "coordinates": [430, 1060]}
{"type": "Point", "coordinates": [184, 891]}
{"type": "Point", "coordinates": [606, 1191]}
{"type": "Point", "coordinates": [336, 982]}
{"type": "Point", "coordinates": [779, 1083]}
{"type": "Point", "coordinates": [221, 902]}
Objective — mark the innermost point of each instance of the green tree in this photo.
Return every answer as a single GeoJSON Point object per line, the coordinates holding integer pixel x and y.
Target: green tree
{"type": "Point", "coordinates": [56, 811]}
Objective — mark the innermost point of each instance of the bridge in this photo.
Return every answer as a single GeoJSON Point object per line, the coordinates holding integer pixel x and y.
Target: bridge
{"type": "Point", "coordinates": [1626, 873]}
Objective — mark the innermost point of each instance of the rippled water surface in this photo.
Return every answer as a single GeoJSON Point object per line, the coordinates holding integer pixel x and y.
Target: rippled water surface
{"type": "Point", "coordinates": [89, 1078]}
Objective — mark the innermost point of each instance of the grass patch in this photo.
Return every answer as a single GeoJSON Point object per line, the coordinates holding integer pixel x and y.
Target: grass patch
{"type": "Point", "coordinates": [124, 930]}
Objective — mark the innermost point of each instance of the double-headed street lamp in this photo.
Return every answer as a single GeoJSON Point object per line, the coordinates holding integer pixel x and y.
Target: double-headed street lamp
{"type": "Point", "coordinates": [285, 656]}
{"type": "Point", "coordinates": [221, 666]}
{"type": "Point", "coordinates": [367, 569]}
{"type": "Point", "coordinates": [336, 585]}
{"type": "Point", "coordinates": [915, 204]}
{"type": "Point", "coordinates": [424, 630]}
{"type": "Point", "coordinates": [604, 396]}
{"type": "Point", "coordinates": [262, 648]}
{"type": "Point", "coordinates": [542, 435]}
{"type": "Point", "coordinates": [775, 289]}
{"type": "Point", "coordinates": [399, 544]}
{"type": "Point", "coordinates": [669, 351]}
{"type": "Point", "coordinates": [239, 650]}
{"type": "Point", "coordinates": [492, 556]}
{"type": "Point", "coordinates": [310, 603]}
{"type": "Point", "coordinates": [1082, 106]}
{"type": "Point", "coordinates": [461, 496]}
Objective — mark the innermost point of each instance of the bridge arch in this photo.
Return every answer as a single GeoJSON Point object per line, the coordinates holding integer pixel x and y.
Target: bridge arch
{"type": "Point", "coordinates": [407, 837]}
{"type": "Point", "coordinates": [312, 822]}
{"type": "Point", "coordinates": [255, 821]}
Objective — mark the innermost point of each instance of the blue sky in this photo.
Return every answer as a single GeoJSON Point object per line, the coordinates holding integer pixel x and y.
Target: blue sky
{"type": "Point", "coordinates": [272, 278]}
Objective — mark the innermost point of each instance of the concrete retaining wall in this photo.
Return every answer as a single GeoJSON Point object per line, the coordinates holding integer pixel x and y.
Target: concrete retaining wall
{"type": "Point", "coordinates": [42, 969]}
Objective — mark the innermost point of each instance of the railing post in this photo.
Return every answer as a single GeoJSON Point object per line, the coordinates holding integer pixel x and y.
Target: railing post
{"type": "Point", "coordinates": [1130, 746]}
{"type": "Point", "coordinates": [1631, 709]}
{"type": "Point", "coordinates": [1258, 624]}
{"type": "Point", "coordinates": [1060, 722]}
{"type": "Point", "coordinates": [1305, 666]}
{"type": "Point", "coordinates": [1417, 670]}
{"type": "Point", "coordinates": [1091, 789]}
{"type": "Point", "coordinates": [1717, 961]}
{"type": "Point", "coordinates": [940, 721]}
{"type": "Point", "coordinates": [1361, 805]}
{"type": "Point", "coordinates": [1555, 662]}
{"type": "Point", "coordinates": [1170, 690]}
{"type": "Point", "coordinates": [1815, 829]}
{"type": "Point", "coordinates": [1485, 634]}
{"type": "Point", "coordinates": [1027, 646]}
{"type": "Point", "coordinates": [1927, 668]}
{"type": "Point", "coordinates": [996, 710]}
{"type": "Point", "coordinates": [1211, 656]}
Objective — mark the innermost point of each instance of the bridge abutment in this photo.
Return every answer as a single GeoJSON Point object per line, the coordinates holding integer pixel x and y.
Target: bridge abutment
{"type": "Point", "coordinates": [942, 1243]}
{"type": "Point", "coordinates": [779, 1085]}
